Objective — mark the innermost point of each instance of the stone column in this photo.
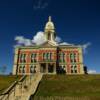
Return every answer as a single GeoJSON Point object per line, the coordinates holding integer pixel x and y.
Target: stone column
{"type": "Point", "coordinates": [38, 68]}
{"type": "Point", "coordinates": [81, 61]}
{"type": "Point", "coordinates": [15, 61]}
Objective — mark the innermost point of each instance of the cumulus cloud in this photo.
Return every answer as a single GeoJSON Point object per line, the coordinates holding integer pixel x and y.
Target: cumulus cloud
{"type": "Point", "coordinates": [39, 38]}
{"type": "Point", "coordinates": [58, 39]}
{"type": "Point", "coordinates": [23, 41]}
{"type": "Point", "coordinates": [92, 72]}
{"type": "Point", "coordinates": [41, 4]}
{"type": "Point", "coordinates": [85, 46]}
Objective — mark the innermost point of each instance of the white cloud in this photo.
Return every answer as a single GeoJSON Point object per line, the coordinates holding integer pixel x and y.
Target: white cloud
{"type": "Point", "coordinates": [85, 46]}
{"type": "Point", "coordinates": [58, 39]}
{"type": "Point", "coordinates": [23, 41]}
{"type": "Point", "coordinates": [17, 45]}
{"type": "Point", "coordinates": [65, 43]}
{"type": "Point", "coordinates": [92, 72]}
{"type": "Point", "coordinates": [41, 4]}
{"type": "Point", "coordinates": [39, 38]}
{"type": "Point", "coordinates": [28, 42]}
{"type": "Point", "coordinates": [19, 39]}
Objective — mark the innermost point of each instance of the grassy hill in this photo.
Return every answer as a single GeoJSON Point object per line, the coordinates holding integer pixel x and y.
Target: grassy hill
{"type": "Point", "coordinates": [69, 87]}
{"type": "Point", "coordinates": [6, 81]}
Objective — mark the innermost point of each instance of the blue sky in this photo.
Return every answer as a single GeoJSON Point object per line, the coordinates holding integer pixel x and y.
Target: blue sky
{"type": "Point", "coordinates": [76, 21]}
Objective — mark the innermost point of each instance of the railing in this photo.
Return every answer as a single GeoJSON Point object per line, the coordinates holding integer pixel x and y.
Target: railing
{"type": "Point", "coordinates": [26, 86]}
{"type": "Point", "coordinates": [11, 90]}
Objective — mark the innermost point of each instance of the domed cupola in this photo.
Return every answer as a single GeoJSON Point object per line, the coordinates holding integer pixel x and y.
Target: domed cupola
{"type": "Point", "coordinates": [50, 30]}
{"type": "Point", "coordinates": [49, 25]}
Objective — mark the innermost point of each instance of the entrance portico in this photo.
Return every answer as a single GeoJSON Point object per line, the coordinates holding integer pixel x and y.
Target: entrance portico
{"type": "Point", "coordinates": [48, 68]}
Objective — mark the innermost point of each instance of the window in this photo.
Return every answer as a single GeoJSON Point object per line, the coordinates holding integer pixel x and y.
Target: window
{"type": "Point", "coordinates": [33, 57]}
{"type": "Point", "coordinates": [47, 56]}
{"type": "Point", "coordinates": [50, 56]}
{"type": "Point", "coordinates": [73, 57]}
{"type": "Point", "coordinates": [73, 69]}
{"type": "Point", "coordinates": [44, 56]}
{"type": "Point", "coordinates": [22, 69]}
{"type": "Point", "coordinates": [32, 69]}
{"type": "Point", "coordinates": [63, 67]}
{"type": "Point", "coordinates": [49, 36]}
{"type": "Point", "coordinates": [23, 58]}
{"type": "Point", "coordinates": [62, 57]}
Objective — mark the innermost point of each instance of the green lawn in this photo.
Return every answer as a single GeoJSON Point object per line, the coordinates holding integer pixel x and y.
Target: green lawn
{"type": "Point", "coordinates": [84, 87]}
{"type": "Point", "coordinates": [6, 81]}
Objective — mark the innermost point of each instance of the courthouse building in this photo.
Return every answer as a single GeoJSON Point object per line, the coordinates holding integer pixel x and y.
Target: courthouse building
{"type": "Point", "coordinates": [48, 58]}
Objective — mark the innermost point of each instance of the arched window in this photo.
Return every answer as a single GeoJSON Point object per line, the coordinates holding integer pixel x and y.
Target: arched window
{"type": "Point", "coordinates": [62, 57]}
{"type": "Point", "coordinates": [33, 57]}
{"type": "Point", "coordinates": [23, 69]}
{"type": "Point", "coordinates": [49, 36]}
{"type": "Point", "coordinates": [44, 56]}
{"type": "Point", "coordinates": [73, 57]}
{"type": "Point", "coordinates": [47, 56]}
{"type": "Point", "coordinates": [20, 69]}
{"type": "Point", "coordinates": [64, 67]}
{"type": "Point", "coordinates": [50, 56]}
{"type": "Point", "coordinates": [73, 69]}
{"type": "Point", "coordinates": [32, 69]}
{"type": "Point", "coordinates": [23, 58]}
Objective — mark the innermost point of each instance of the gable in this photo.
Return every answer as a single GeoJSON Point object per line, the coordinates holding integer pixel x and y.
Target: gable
{"type": "Point", "coordinates": [48, 44]}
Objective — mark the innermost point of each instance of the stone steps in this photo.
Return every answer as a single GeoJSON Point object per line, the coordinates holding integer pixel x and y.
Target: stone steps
{"type": "Point", "coordinates": [23, 90]}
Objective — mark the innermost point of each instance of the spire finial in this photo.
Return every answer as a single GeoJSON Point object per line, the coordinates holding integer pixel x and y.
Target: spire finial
{"type": "Point", "coordinates": [49, 18]}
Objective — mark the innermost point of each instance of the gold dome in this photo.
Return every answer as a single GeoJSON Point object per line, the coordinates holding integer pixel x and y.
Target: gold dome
{"type": "Point", "coordinates": [49, 24]}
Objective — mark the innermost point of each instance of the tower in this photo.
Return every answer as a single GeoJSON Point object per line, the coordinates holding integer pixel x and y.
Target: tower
{"type": "Point", "coordinates": [49, 30]}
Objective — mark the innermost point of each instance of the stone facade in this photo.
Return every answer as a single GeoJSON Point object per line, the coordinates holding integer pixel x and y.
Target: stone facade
{"type": "Point", "coordinates": [49, 57]}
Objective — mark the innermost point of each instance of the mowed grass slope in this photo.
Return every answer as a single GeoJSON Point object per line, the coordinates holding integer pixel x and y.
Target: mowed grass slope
{"type": "Point", "coordinates": [6, 81]}
{"type": "Point", "coordinates": [70, 86]}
